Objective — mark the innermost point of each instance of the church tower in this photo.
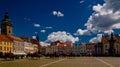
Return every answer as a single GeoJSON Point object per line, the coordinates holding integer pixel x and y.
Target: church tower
{"type": "Point", "coordinates": [6, 25]}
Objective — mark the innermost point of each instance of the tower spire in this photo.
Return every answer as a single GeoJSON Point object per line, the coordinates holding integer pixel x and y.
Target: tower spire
{"type": "Point", "coordinates": [6, 25]}
{"type": "Point", "coordinates": [37, 37]}
{"type": "Point", "coordinates": [6, 16]}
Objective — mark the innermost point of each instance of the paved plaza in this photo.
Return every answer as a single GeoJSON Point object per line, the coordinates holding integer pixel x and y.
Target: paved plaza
{"type": "Point", "coordinates": [64, 62]}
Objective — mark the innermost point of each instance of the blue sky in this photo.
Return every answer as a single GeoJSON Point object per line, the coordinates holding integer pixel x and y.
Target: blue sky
{"type": "Point", "coordinates": [48, 16]}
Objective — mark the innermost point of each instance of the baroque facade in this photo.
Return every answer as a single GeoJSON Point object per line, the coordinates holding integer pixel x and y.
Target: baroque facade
{"type": "Point", "coordinates": [106, 44]}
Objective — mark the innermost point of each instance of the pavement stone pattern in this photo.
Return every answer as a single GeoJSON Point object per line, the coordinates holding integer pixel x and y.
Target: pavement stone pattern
{"type": "Point", "coordinates": [64, 62]}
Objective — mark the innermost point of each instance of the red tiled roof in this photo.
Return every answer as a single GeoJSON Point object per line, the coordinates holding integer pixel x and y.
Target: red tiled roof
{"type": "Point", "coordinates": [64, 44]}
{"type": "Point", "coordinates": [4, 37]}
{"type": "Point", "coordinates": [15, 38]}
{"type": "Point", "coordinates": [61, 45]}
{"type": "Point", "coordinates": [69, 43]}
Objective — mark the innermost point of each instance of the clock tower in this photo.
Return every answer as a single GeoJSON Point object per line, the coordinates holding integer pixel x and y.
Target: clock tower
{"type": "Point", "coordinates": [6, 25]}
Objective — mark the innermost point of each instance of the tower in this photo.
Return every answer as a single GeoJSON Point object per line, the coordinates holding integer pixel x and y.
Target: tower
{"type": "Point", "coordinates": [111, 42]}
{"type": "Point", "coordinates": [6, 25]}
{"type": "Point", "coordinates": [37, 37]}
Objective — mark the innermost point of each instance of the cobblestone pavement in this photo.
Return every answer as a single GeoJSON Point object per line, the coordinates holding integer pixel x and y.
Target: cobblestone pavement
{"type": "Point", "coordinates": [64, 62]}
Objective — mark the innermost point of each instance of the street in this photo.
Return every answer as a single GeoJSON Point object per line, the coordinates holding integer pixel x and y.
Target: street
{"type": "Point", "coordinates": [64, 62]}
{"type": "Point", "coordinates": [87, 62]}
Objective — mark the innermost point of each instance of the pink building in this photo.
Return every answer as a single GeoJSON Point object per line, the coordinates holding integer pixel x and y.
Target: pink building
{"type": "Point", "coordinates": [90, 48]}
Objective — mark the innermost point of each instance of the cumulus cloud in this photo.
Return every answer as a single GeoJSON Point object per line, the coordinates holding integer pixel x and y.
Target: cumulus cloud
{"type": "Point", "coordinates": [36, 25]}
{"type": "Point", "coordinates": [105, 18]}
{"type": "Point", "coordinates": [96, 39]}
{"type": "Point", "coordinates": [43, 31]}
{"type": "Point", "coordinates": [61, 36]}
{"type": "Point", "coordinates": [48, 27]}
{"type": "Point", "coordinates": [27, 19]}
{"type": "Point", "coordinates": [44, 43]}
{"type": "Point", "coordinates": [58, 13]}
{"type": "Point", "coordinates": [82, 1]}
{"type": "Point", "coordinates": [34, 37]}
{"type": "Point", "coordinates": [82, 32]}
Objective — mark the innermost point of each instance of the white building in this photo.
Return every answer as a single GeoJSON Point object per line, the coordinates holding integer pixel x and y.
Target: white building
{"type": "Point", "coordinates": [18, 46]}
{"type": "Point", "coordinates": [76, 50]}
{"type": "Point", "coordinates": [83, 49]}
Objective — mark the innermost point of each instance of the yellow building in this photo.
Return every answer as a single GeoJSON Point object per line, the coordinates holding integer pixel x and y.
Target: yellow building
{"type": "Point", "coordinates": [105, 41]}
{"type": "Point", "coordinates": [6, 44]}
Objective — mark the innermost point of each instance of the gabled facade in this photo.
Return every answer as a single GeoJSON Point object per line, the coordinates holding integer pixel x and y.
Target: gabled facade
{"type": "Point", "coordinates": [90, 49]}
{"type": "Point", "coordinates": [106, 44]}
{"type": "Point", "coordinates": [30, 45]}
{"type": "Point", "coordinates": [35, 44]}
{"type": "Point", "coordinates": [59, 48]}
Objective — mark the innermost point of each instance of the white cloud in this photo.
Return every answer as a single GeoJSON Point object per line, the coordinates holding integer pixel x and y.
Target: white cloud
{"type": "Point", "coordinates": [108, 31]}
{"type": "Point", "coordinates": [82, 1]}
{"type": "Point", "coordinates": [82, 32]}
{"type": "Point", "coordinates": [61, 36]}
{"type": "Point", "coordinates": [105, 18]}
{"type": "Point", "coordinates": [27, 19]}
{"type": "Point", "coordinates": [0, 30]}
{"type": "Point", "coordinates": [48, 27]}
{"type": "Point", "coordinates": [44, 43]}
{"type": "Point", "coordinates": [58, 13]}
{"type": "Point", "coordinates": [54, 12]}
{"type": "Point", "coordinates": [34, 37]}
{"type": "Point", "coordinates": [96, 39]}
{"type": "Point", "coordinates": [36, 25]}
{"type": "Point", "coordinates": [43, 31]}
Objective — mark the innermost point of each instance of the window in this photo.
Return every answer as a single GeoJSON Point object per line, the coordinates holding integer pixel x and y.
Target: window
{"type": "Point", "coordinates": [0, 48]}
{"type": "Point", "coordinates": [117, 46]}
{"type": "Point", "coordinates": [9, 43]}
{"type": "Point", "coordinates": [4, 43]}
{"type": "Point", "coordinates": [106, 46]}
{"type": "Point", "coordinates": [0, 42]}
{"type": "Point", "coordinates": [7, 48]}
{"type": "Point", "coordinates": [4, 48]}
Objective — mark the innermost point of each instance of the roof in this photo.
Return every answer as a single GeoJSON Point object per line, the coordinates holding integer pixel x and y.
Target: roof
{"type": "Point", "coordinates": [60, 45]}
{"type": "Point", "coordinates": [25, 38]}
{"type": "Point", "coordinates": [91, 44]}
{"type": "Point", "coordinates": [4, 37]}
{"type": "Point", "coordinates": [64, 44]}
{"type": "Point", "coordinates": [34, 41]}
{"type": "Point", "coordinates": [69, 43]}
{"type": "Point", "coordinates": [15, 38]}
